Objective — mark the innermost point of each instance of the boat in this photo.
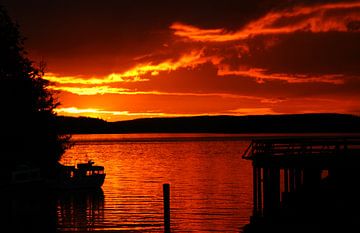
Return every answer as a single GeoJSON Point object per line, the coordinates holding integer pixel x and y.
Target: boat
{"type": "Point", "coordinates": [82, 176]}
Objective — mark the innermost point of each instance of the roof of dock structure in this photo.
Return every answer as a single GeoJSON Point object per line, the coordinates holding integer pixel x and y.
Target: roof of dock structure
{"type": "Point", "coordinates": [289, 151]}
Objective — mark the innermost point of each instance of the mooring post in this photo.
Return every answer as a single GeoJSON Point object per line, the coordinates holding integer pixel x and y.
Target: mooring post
{"type": "Point", "coordinates": [255, 191]}
{"type": "Point", "coordinates": [166, 191]}
{"type": "Point", "coordinates": [266, 191]}
{"type": "Point", "coordinates": [286, 180]}
{"type": "Point", "coordinates": [260, 192]}
{"type": "Point", "coordinates": [292, 179]}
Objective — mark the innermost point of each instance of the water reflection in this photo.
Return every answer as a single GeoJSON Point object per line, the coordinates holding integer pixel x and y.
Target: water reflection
{"type": "Point", "coordinates": [80, 210]}
{"type": "Point", "coordinates": [210, 183]}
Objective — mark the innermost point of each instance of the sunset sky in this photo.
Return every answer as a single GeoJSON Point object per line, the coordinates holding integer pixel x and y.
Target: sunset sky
{"type": "Point", "coordinates": [127, 59]}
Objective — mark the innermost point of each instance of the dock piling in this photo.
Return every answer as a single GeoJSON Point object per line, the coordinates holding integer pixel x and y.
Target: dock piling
{"type": "Point", "coordinates": [166, 193]}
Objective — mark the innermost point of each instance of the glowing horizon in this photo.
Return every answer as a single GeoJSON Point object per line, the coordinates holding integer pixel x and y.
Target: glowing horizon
{"type": "Point", "coordinates": [126, 115]}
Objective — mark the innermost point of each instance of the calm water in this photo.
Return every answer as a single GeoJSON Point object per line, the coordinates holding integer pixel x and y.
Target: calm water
{"type": "Point", "coordinates": [211, 186]}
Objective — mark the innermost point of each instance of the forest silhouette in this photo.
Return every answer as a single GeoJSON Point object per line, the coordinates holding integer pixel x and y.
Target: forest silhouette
{"type": "Point", "coordinates": [29, 136]}
{"type": "Point", "coordinates": [30, 141]}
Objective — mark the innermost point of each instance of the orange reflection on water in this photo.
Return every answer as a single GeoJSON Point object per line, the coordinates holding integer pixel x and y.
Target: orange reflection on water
{"type": "Point", "coordinates": [210, 183]}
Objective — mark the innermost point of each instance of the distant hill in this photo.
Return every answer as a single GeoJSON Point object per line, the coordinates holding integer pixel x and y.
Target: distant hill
{"type": "Point", "coordinates": [297, 123]}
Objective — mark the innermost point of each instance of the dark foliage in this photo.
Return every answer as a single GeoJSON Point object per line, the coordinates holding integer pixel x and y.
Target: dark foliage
{"type": "Point", "coordinates": [29, 136]}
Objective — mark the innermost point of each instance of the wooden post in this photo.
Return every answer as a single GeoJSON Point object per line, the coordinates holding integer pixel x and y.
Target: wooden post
{"type": "Point", "coordinates": [297, 179]}
{"type": "Point", "coordinates": [260, 195]}
{"type": "Point", "coordinates": [266, 191]}
{"type": "Point", "coordinates": [255, 191]}
{"type": "Point", "coordinates": [292, 180]}
{"type": "Point", "coordinates": [166, 192]}
{"type": "Point", "coordinates": [286, 180]}
{"type": "Point", "coordinates": [271, 190]}
{"type": "Point", "coordinates": [275, 189]}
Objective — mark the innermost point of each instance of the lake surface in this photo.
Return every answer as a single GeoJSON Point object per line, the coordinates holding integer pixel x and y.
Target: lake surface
{"type": "Point", "coordinates": [210, 184]}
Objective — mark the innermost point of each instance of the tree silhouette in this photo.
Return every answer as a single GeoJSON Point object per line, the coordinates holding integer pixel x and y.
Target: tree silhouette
{"type": "Point", "coordinates": [27, 125]}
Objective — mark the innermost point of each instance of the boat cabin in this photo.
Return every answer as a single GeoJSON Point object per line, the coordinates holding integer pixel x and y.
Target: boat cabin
{"type": "Point", "coordinates": [83, 175]}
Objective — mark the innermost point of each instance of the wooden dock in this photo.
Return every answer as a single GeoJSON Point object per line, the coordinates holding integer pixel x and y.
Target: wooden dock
{"type": "Point", "coordinates": [285, 167]}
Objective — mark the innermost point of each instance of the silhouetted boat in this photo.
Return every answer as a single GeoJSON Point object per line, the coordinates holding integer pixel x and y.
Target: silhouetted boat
{"type": "Point", "coordinates": [83, 176]}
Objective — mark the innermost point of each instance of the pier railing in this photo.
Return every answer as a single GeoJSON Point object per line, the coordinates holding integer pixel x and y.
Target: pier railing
{"type": "Point", "coordinates": [301, 146]}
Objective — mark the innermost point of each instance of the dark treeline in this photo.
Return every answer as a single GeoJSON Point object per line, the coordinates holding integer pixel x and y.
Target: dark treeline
{"type": "Point", "coordinates": [28, 136]}
{"type": "Point", "coordinates": [298, 123]}
{"type": "Point", "coordinates": [30, 144]}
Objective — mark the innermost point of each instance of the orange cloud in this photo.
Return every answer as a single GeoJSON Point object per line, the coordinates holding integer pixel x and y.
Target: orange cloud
{"type": "Point", "coordinates": [190, 60]}
{"type": "Point", "coordinates": [97, 90]}
{"type": "Point", "coordinates": [120, 115]}
{"type": "Point", "coordinates": [261, 76]}
{"type": "Point", "coordinates": [111, 78]}
{"type": "Point", "coordinates": [101, 90]}
{"type": "Point", "coordinates": [313, 18]}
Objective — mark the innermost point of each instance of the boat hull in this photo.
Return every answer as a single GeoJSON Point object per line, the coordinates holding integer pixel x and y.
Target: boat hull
{"type": "Point", "coordinates": [84, 182]}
